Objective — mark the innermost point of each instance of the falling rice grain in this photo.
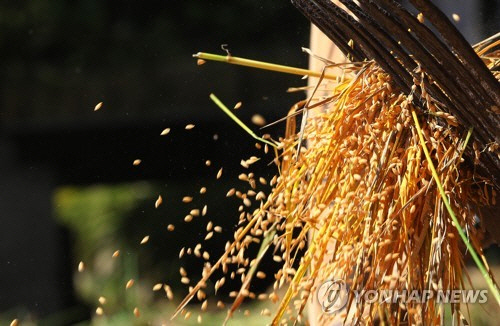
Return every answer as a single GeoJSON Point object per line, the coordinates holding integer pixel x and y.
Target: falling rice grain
{"type": "Point", "coordinates": [208, 163]}
{"type": "Point", "coordinates": [204, 210]}
{"type": "Point", "coordinates": [171, 227]}
{"type": "Point", "coordinates": [218, 229]}
{"type": "Point", "coordinates": [189, 126]}
{"type": "Point", "coordinates": [102, 300]}
{"type": "Point", "coordinates": [220, 304]}
{"type": "Point", "coordinates": [98, 106]}
{"type": "Point", "coordinates": [129, 284]}
{"type": "Point", "coordinates": [262, 296]}
{"type": "Point", "coordinates": [116, 254]}
{"type": "Point", "coordinates": [219, 174]}
{"type": "Point", "coordinates": [15, 322]}
{"type": "Point", "coordinates": [209, 236]}
{"type": "Point", "coordinates": [200, 295]}
{"type": "Point", "coordinates": [137, 313]}
{"type": "Point", "coordinates": [99, 311]}
{"type": "Point", "coordinates": [157, 287]}
{"type": "Point", "coordinates": [145, 240]}
{"type": "Point", "coordinates": [168, 292]}
{"type": "Point", "coordinates": [81, 266]}
{"type": "Point", "coordinates": [158, 201]}
{"type": "Point", "coordinates": [237, 105]}
{"type": "Point", "coordinates": [261, 275]}
{"type": "Point", "coordinates": [203, 190]}
{"type": "Point", "coordinates": [187, 199]}
{"type": "Point", "coordinates": [165, 132]}
{"type": "Point", "coordinates": [199, 319]}
{"type": "Point", "coordinates": [188, 218]}
{"type": "Point", "coordinates": [184, 280]}
{"type": "Point", "coordinates": [420, 17]}
{"type": "Point", "coordinates": [200, 62]}
{"type": "Point", "coordinates": [204, 305]}
{"type": "Point", "coordinates": [258, 120]}
{"type": "Point", "coordinates": [455, 17]}
{"type": "Point", "coordinates": [206, 255]}
{"type": "Point", "coordinates": [247, 202]}
{"type": "Point", "coordinates": [260, 196]}
{"type": "Point", "coordinates": [230, 192]}
{"type": "Point", "coordinates": [136, 162]}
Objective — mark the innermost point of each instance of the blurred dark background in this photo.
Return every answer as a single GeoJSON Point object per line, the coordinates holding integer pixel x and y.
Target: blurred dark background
{"type": "Point", "coordinates": [68, 189]}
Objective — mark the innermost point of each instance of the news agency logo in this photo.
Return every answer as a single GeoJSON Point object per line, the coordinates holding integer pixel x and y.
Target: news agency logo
{"type": "Point", "coordinates": [333, 296]}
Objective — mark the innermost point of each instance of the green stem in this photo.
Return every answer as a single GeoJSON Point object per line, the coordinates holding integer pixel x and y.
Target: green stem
{"type": "Point", "coordinates": [469, 246]}
{"type": "Point", "coordinates": [238, 121]}
{"type": "Point", "coordinates": [261, 65]}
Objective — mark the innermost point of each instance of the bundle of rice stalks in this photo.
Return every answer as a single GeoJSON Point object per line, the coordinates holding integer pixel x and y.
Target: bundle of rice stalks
{"type": "Point", "coordinates": [382, 198]}
{"type": "Point", "coordinates": [363, 202]}
{"type": "Point", "coordinates": [364, 189]}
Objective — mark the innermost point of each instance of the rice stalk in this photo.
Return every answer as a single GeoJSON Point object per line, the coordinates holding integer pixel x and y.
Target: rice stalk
{"type": "Point", "coordinates": [382, 197]}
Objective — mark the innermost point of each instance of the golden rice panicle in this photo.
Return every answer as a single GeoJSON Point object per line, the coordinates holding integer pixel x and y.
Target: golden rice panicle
{"type": "Point", "coordinates": [363, 199]}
